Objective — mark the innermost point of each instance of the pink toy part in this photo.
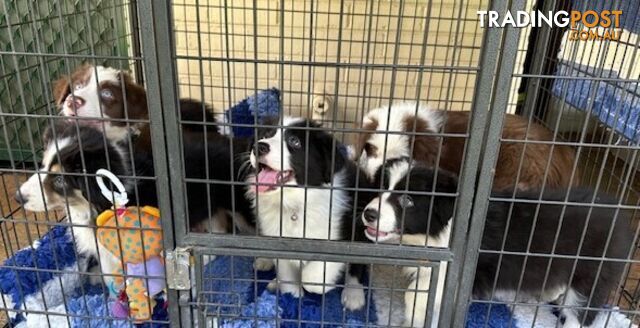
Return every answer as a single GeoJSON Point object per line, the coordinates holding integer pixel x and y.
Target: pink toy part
{"type": "Point", "coordinates": [120, 308]}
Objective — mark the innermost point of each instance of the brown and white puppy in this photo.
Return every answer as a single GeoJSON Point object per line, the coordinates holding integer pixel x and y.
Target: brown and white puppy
{"type": "Point", "coordinates": [111, 97]}
{"type": "Point", "coordinates": [102, 93]}
{"type": "Point", "coordinates": [376, 145]}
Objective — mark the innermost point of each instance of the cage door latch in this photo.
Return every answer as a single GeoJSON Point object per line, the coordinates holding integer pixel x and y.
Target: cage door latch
{"type": "Point", "coordinates": [178, 268]}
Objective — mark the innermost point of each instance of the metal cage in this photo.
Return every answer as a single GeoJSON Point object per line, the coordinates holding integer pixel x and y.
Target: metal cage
{"type": "Point", "coordinates": [332, 61]}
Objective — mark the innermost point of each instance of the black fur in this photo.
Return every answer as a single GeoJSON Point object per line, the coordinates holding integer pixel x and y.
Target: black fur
{"type": "Point", "coordinates": [205, 157]}
{"type": "Point", "coordinates": [315, 160]}
{"type": "Point", "coordinates": [96, 153]}
{"type": "Point", "coordinates": [203, 199]}
{"type": "Point", "coordinates": [574, 221]}
{"type": "Point", "coordinates": [418, 183]}
{"type": "Point", "coordinates": [193, 112]}
{"type": "Point", "coordinates": [571, 221]}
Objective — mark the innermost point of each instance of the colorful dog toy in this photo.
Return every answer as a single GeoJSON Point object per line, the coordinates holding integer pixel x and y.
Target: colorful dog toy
{"type": "Point", "coordinates": [133, 235]}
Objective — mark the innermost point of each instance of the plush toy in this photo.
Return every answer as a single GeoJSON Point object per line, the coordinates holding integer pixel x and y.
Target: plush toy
{"type": "Point", "coordinates": [134, 236]}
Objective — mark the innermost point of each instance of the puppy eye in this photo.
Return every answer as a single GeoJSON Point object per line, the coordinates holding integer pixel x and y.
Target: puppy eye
{"type": "Point", "coordinates": [294, 142]}
{"type": "Point", "coordinates": [58, 182]}
{"type": "Point", "coordinates": [77, 86]}
{"type": "Point", "coordinates": [406, 201]}
{"type": "Point", "coordinates": [106, 93]}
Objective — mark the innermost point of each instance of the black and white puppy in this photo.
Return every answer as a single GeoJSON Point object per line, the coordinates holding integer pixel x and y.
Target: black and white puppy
{"type": "Point", "coordinates": [212, 163]}
{"type": "Point", "coordinates": [404, 215]}
{"type": "Point", "coordinates": [400, 215]}
{"type": "Point", "coordinates": [296, 191]}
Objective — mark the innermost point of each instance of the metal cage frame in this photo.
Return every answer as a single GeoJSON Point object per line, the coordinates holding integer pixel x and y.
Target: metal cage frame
{"type": "Point", "coordinates": [154, 56]}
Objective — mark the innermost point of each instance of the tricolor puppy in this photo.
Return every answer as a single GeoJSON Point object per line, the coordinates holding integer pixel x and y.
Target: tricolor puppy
{"type": "Point", "coordinates": [413, 127]}
{"type": "Point", "coordinates": [419, 219]}
{"type": "Point", "coordinates": [111, 97]}
{"type": "Point", "coordinates": [60, 185]}
{"type": "Point", "coordinates": [296, 191]}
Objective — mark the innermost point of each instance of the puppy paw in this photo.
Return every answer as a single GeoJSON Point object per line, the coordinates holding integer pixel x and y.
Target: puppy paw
{"type": "Point", "coordinates": [262, 264]}
{"type": "Point", "coordinates": [352, 298]}
{"type": "Point", "coordinates": [272, 286]}
{"type": "Point", "coordinates": [317, 288]}
{"type": "Point", "coordinates": [285, 288]}
{"type": "Point", "coordinates": [294, 290]}
{"type": "Point", "coordinates": [320, 278]}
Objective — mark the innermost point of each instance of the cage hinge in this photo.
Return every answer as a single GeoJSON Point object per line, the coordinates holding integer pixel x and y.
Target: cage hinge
{"type": "Point", "coordinates": [178, 264]}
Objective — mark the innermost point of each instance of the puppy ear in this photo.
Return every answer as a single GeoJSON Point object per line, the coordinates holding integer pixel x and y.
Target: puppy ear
{"type": "Point", "coordinates": [368, 127]}
{"type": "Point", "coordinates": [61, 89]}
{"type": "Point", "coordinates": [56, 128]}
{"type": "Point", "coordinates": [136, 97]}
{"type": "Point", "coordinates": [425, 148]}
{"type": "Point", "coordinates": [444, 206]}
{"type": "Point", "coordinates": [335, 150]}
{"type": "Point", "coordinates": [446, 181]}
{"type": "Point", "coordinates": [95, 154]}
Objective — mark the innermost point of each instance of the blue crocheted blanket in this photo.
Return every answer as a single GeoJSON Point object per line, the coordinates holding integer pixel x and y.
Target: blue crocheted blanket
{"type": "Point", "coordinates": [616, 104]}
{"type": "Point", "coordinates": [240, 300]}
{"type": "Point", "coordinates": [232, 295]}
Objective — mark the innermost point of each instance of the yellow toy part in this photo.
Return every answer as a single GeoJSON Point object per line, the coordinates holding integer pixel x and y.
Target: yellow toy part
{"type": "Point", "coordinates": [134, 235]}
{"type": "Point", "coordinates": [131, 228]}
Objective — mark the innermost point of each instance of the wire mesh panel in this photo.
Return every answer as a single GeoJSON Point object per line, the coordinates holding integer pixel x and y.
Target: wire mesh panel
{"type": "Point", "coordinates": [580, 90]}
{"type": "Point", "coordinates": [31, 36]}
{"type": "Point", "coordinates": [264, 67]}
{"type": "Point", "coordinates": [67, 94]}
{"type": "Point", "coordinates": [230, 291]}
{"type": "Point", "coordinates": [315, 163]}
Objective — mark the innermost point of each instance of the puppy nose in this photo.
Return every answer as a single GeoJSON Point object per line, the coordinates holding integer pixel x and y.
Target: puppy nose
{"type": "Point", "coordinates": [74, 102]}
{"type": "Point", "coordinates": [370, 215]}
{"type": "Point", "coordinates": [20, 198]}
{"type": "Point", "coordinates": [263, 148]}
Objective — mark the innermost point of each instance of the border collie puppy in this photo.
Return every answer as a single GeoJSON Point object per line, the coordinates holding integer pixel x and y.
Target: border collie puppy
{"type": "Point", "coordinates": [215, 205]}
{"type": "Point", "coordinates": [383, 221]}
{"type": "Point", "coordinates": [58, 184]}
{"type": "Point", "coordinates": [289, 190]}
{"type": "Point", "coordinates": [97, 91]}
{"type": "Point", "coordinates": [104, 92]}
{"type": "Point", "coordinates": [375, 144]}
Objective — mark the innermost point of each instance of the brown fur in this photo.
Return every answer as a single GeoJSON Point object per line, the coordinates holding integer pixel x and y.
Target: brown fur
{"type": "Point", "coordinates": [532, 166]}
{"type": "Point", "coordinates": [368, 129]}
{"type": "Point", "coordinates": [62, 86]}
{"type": "Point", "coordinates": [136, 96]}
{"type": "Point", "coordinates": [425, 147]}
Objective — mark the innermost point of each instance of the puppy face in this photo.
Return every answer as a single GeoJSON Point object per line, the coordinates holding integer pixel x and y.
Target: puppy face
{"type": "Point", "coordinates": [292, 155]}
{"type": "Point", "coordinates": [376, 145]}
{"type": "Point", "coordinates": [404, 209]}
{"type": "Point", "coordinates": [101, 92]}
{"type": "Point", "coordinates": [54, 186]}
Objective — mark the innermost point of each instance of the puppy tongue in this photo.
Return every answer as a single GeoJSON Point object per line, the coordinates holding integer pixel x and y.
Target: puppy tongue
{"type": "Point", "coordinates": [267, 178]}
{"type": "Point", "coordinates": [374, 232]}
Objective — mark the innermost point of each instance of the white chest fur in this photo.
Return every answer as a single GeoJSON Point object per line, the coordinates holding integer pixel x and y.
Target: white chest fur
{"type": "Point", "coordinates": [294, 212]}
